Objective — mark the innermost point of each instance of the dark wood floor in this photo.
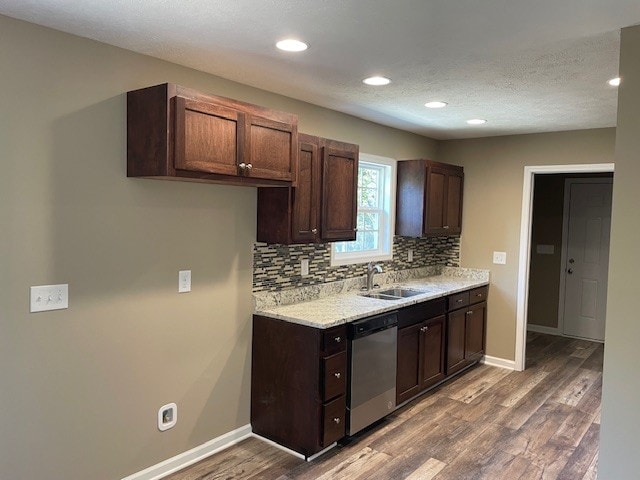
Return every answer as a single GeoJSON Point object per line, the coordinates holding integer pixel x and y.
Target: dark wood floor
{"type": "Point", "coordinates": [489, 423]}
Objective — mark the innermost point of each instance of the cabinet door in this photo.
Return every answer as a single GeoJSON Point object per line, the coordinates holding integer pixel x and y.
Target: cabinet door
{"type": "Point", "coordinates": [339, 194]}
{"type": "Point", "coordinates": [271, 149]}
{"type": "Point", "coordinates": [432, 352]}
{"type": "Point", "coordinates": [207, 137]}
{"type": "Point", "coordinates": [435, 200]}
{"type": "Point", "coordinates": [474, 336]}
{"type": "Point", "coordinates": [456, 340]}
{"type": "Point", "coordinates": [306, 196]}
{"type": "Point", "coordinates": [453, 207]}
{"type": "Point", "coordinates": [408, 370]}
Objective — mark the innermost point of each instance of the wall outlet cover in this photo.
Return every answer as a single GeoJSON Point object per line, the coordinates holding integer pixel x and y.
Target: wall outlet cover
{"type": "Point", "coordinates": [500, 258]}
{"type": "Point", "coordinates": [184, 281]}
{"type": "Point", "coordinates": [167, 416]}
{"type": "Point", "coordinates": [49, 297]}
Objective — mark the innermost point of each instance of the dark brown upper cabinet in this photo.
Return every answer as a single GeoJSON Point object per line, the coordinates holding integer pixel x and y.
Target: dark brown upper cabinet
{"type": "Point", "coordinates": [429, 198]}
{"type": "Point", "coordinates": [323, 205]}
{"type": "Point", "coordinates": [175, 132]}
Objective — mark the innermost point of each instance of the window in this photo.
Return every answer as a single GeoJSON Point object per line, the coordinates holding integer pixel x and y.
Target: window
{"type": "Point", "coordinates": [376, 204]}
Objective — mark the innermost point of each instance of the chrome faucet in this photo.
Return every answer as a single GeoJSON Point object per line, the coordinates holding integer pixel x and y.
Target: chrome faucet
{"type": "Point", "coordinates": [372, 269]}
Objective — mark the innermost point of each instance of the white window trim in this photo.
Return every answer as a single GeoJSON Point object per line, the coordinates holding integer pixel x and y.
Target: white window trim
{"type": "Point", "coordinates": [363, 257]}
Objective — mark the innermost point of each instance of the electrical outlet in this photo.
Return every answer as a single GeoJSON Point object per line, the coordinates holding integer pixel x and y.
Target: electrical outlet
{"type": "Point", "coordinates": [410, 255]}
{"type": "Point", "coordinates": [167, 416]}
{"type": "Point", "coordinates": [500, 258]}
{"type": "Point", "coordinates": [304, 267]}
{"type": "Point", "coordinates": [49, 297]}
{"type": "Point", "coordinates": [184, 281]}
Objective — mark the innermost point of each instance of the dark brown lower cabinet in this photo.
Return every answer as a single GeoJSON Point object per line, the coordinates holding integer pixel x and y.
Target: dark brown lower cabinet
{"type": "Point", "coordinates": [298, 384]}
{"type": "Point", "coordinates": [466, 328]}
{"type": "Point", "coordinates": [421, 342]}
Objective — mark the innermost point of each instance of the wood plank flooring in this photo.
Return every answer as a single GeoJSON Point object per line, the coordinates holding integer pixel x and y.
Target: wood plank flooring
{"type": "Point", "coordinates": [489, 423]}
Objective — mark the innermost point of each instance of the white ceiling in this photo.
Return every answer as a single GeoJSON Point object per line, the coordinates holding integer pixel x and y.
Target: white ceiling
{"type": "Point", "coordinates": [523, 65]}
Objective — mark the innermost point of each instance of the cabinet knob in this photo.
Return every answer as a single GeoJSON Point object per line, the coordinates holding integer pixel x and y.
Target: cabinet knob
{"type": "Point", "coordinates": [336, 419]}
{"type": "Point", "coordinates": [314, 230]}
{"type": "Point", "coordinates": [424, 329]}
{"type": "Point", "coordinates": [243, 166]}
{"type": "Point", "coordinates": [469, 312]}
{"type": "Point", "coordinates": [337, 374]}
{"type": "Point", "coordinates": [337, 339]}
{"type": "Point", "coordinates": [249, 166]}
{"type": "Point", "coordinates": [355, 229]}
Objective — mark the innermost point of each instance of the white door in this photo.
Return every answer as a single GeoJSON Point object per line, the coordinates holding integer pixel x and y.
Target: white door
{"type": "Point", "coordinates": [587, 257]}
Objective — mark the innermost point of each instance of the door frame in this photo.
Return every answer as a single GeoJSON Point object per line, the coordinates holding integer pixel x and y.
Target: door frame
{"type": "Point", "coordinates": [565, 244]}
{"type": "Point", "coordinates": [524, 257]}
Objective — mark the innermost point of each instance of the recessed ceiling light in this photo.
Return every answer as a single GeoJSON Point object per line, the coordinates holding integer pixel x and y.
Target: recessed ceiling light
{"type": "Point", "coordinates": [476, 121]}
{"type": "Point", "coordinates": [435, 104]}
{"type": "Point", "coordinates": [377, 81]}
{"type": "Point", "coordinates": [614, 82]}
{"type": "Point", "coordinates": [292, 45]}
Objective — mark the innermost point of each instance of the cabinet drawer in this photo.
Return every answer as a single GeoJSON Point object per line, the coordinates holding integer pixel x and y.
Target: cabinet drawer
{"type": "Point", "coordinates": [422, 311]}
{"type": "Point", "coordinates": [478, 295]}
{"type": "Point", "coordinates": [334, 340]}
{"type": "Point", "coordinates": [458, 300]}
{"type": "Point", "coordinates": [333, 414]}
{"type": "Point", "coordinates": [335, 373]}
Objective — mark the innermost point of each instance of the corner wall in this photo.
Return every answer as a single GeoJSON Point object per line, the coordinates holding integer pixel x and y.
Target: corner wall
{"type": "Point", "coordinates": [619, 457]}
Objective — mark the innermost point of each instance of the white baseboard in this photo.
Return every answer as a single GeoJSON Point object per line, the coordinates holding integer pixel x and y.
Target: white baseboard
{"type": "Point", "coordinates": [498, 362]}
{"type": "Point", "coordinates": [277, 445]}
{"type": "Point", "coordinates": [173, 464]}
{"type": "Point", "coordinates": [543, 329]}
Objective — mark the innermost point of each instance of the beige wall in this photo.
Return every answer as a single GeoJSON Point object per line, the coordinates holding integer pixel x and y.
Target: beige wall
{"type": "Point", "coordinates": [81, 387]}
{"type": "Point", "coordinates": [619, 457]}
{"type": "Point", "coordinates": [494, 172]}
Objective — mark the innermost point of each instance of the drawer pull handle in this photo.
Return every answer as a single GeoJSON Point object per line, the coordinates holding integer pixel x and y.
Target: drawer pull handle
{"type": "Point", "coordinates": [478, 294]}
{"type": "Point", "coordinates": [336, 419]}
{"type": "Point", "coordinates": [469, 312]}
{"type": "Point", "coordinates": [424, 329]}
{"type": "Point", "coordinates": [337, 374]}
{"type": "Point", "coordinates": [445, 226]}
{"type": "Point", "coordinates": [337, 339]}
{"type": "Point", "coordinates": [460, 300]}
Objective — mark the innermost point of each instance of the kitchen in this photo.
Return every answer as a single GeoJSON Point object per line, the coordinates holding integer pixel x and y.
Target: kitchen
{"type": "Point", "coordinates": [83, 385]}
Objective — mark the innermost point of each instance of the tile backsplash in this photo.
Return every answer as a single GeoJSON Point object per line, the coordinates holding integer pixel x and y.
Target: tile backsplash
{"type": "Point", "coordinates": [277, 267]}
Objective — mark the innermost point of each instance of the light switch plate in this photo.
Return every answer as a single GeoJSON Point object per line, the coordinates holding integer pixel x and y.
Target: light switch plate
{"type": "Point", "coordinates": [184, 281]}
{"type": "Point", "coordinates": [500, 258]}
{"type": "Point", "coordinates": [49, 297]}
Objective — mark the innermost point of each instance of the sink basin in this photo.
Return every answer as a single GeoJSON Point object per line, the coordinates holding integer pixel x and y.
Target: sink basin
{"type": "Point", "coordinates": [400, 292]}
{"type": "Point", "coordinates": [392, 294]}
{"type": "Point", "coordinates": [380, 296]}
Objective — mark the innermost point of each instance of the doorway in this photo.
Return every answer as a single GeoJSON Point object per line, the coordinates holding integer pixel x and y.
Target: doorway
{"type": "Point", "coordinates": [524, 263]}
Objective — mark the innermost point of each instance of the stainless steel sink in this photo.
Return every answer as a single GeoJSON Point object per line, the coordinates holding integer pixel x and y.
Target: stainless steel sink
{"type": "Point", "coordinates": [392, 294]}
{"type": "Point", "coordinates": [400, 292]}
{"type": "Point", "coordinates": [380, 296]}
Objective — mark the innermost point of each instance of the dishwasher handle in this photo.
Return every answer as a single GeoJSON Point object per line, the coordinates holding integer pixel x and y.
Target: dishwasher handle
{"type": "Point", "coordinates": [371, 325]}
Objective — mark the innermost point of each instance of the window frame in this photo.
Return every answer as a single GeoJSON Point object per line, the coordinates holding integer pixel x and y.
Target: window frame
{"type": "Point", "coordinates": [385, 238]}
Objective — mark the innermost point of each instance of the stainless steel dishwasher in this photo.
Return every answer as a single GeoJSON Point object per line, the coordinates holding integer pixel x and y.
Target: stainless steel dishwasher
{"type": "Point", "coordinates": [373, 344]}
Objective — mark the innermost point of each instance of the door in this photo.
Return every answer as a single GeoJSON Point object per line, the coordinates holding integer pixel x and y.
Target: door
{"type": "Point", "coordinates": [339, 194]}
{"type": "Point", "coordinates": [587, 257]}
{"type": "Point", "coordinates": [474, 332]}
{"type": "Point", "coordinates": [432, 352]}
{"type": "Point", "coordinates": [408, 374]}
{"type": "Point", "coordinates": [272, 149]}
{"type": "Point", "coordinates": [306, 196]}
{"type": "Point", "coordinates": [456, 340]}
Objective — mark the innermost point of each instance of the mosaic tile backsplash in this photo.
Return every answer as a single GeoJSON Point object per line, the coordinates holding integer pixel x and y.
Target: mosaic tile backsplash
{"type": "Point", "coordinates": [277, 267]}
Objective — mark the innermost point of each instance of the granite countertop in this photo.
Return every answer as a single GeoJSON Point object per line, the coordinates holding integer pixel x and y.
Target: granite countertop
{"type": "Point", "coordinates": [336, 309]}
